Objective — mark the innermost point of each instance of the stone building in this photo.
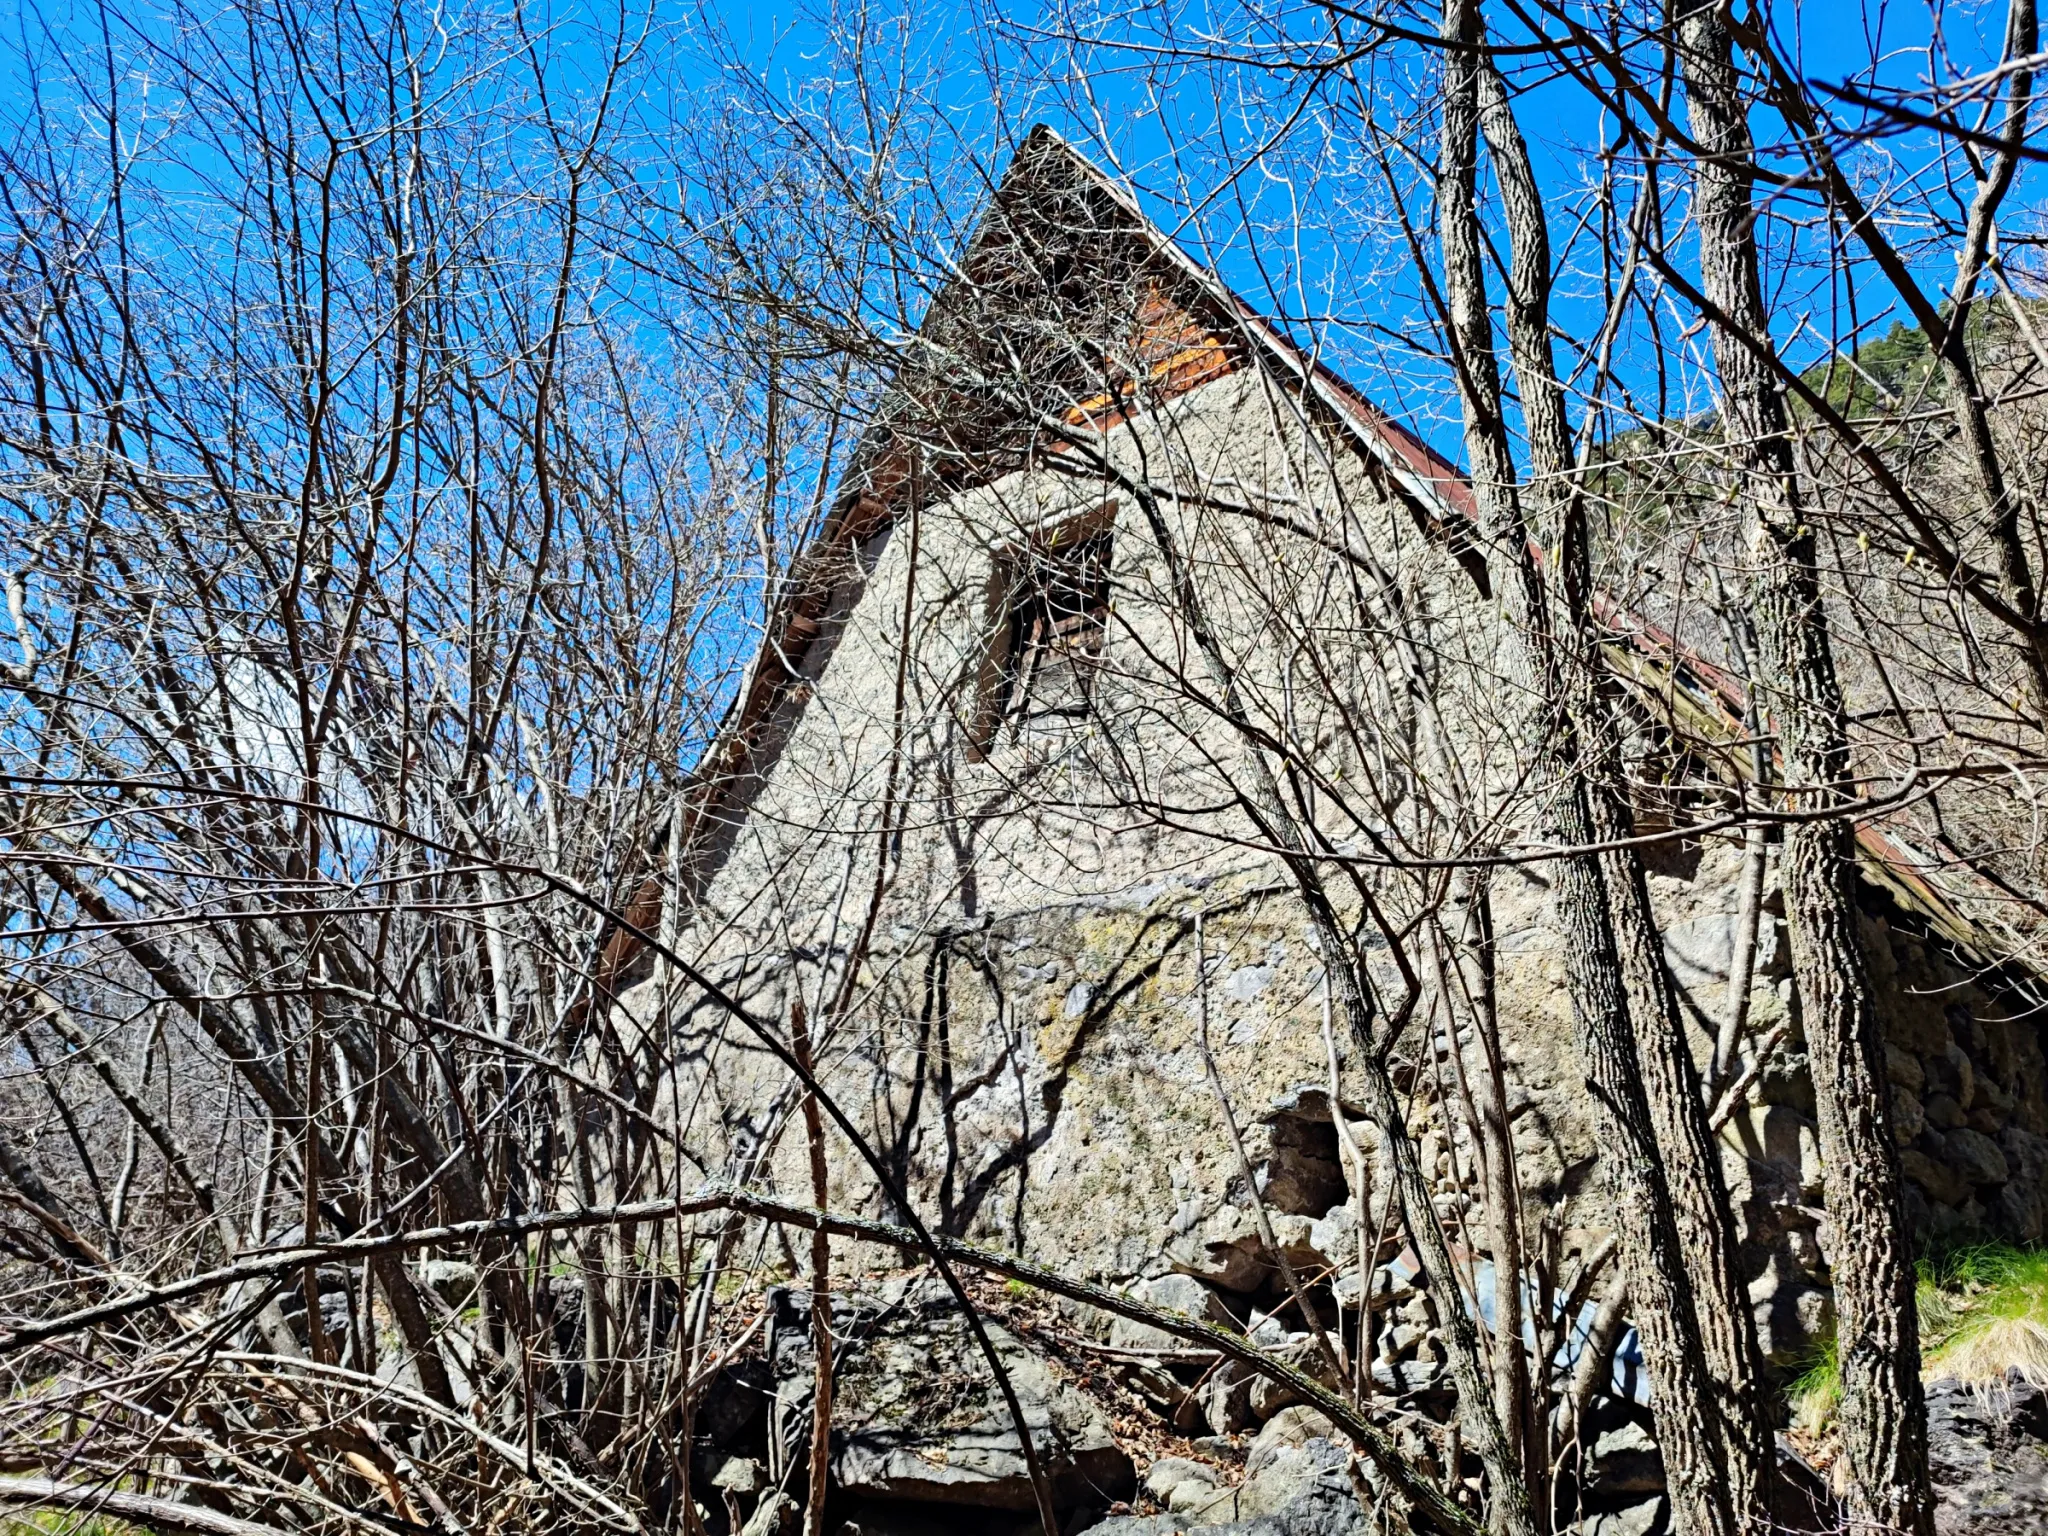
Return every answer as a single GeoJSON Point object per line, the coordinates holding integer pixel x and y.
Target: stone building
{"type": "Point", "coordinates": [982, 809]}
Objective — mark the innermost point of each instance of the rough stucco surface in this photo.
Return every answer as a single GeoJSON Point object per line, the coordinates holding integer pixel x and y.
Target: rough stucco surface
{"type": "Point", "coordinates": [1025, 1047]}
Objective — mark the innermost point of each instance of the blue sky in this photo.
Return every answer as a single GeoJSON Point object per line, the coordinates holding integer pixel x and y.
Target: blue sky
{"type": "Point", "coordinates": [1303, 232]}
{"type": "Point", "coordinates": [1284, 235]}
{"type": "Point", "coordinates": [1296, 234]}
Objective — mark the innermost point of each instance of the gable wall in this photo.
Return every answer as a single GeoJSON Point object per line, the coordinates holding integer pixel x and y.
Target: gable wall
{"type": "Point", "coordinates": [1025, 1042]}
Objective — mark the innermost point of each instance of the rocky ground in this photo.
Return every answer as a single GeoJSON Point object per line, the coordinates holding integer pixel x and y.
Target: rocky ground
{"type": "Point", "coordinates": [1988, 1449]}
{"type": "Point", "coordinates": [1142, 1437]}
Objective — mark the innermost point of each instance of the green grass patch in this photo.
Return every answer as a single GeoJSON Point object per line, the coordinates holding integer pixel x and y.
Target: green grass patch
{"type": "Point", "coordinates": [1983, 1311]}
{"type": "Point", "coordinates": [1816, 1392]}
{"type": "Point", "coordinates": [1989, 1314]}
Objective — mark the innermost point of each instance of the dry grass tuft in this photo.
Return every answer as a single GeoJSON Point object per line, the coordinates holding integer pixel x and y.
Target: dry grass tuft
{"type": "Point", "coordinates": [1999, 1321]}
{"type": "Point", "coordinates": [1983, 1314]}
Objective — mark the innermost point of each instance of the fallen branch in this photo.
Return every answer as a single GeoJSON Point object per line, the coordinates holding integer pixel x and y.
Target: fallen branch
{"type": "Point", "coordinates": [138, 1508]}
{"type": "Point", "coordinates": [1427, 1499]}
{"type": "Point", "coordinates": [1116, 1352]}
{"type": "Point", "coordinates": [265, 1262]}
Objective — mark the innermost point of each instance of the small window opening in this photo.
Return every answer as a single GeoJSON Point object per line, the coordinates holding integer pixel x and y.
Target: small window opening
{"type": "Point", "coordinates": [1049, 602]}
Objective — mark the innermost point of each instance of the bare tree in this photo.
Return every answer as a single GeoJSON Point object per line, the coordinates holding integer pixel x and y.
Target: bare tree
{"type": "Point", "coordinates": [437, 484]}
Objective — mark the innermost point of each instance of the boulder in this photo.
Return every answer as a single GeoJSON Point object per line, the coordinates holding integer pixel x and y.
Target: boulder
{"type": "Point", "coordinates": [1977, 1157]}
{"type": "Point", "coordinates": [778, 1515]}
{"type": "Point", "coordinates": [1988, 1458]}
{"type": "Point", "coordinates": [1269, 1332]}
{"type": "Point", "coordinates": [1941, 1183]}
{"type": "Point", "coordinates": [873, 1519]}
{"type": "Point", "coordinates": [1166, 1392]}
{"type": "Point", "coordinates": [2021, 1203]}
{"type": "Point", "coordinates": [1404, 1378]}
{"type": "Point", "coordinates": [1303, 1490]}
{"type": "Point", "coordinates": [1625, 1460]}
{"type": "Point", "coordinates": [1288, 1429]}
{"type": "Point", "coordinates": [1172, 1293]}
{"type": "Point", "coordinates": [1226, 1397]}
{"type": "Point", "coordinates": [1909, 1117]}
{"type": "Point", "coordinates": [1333, 1237]}
{"type": "Point", "coordinates": [453, 1280]}
{"type": "Point", "coordinates": [1904, 1069]}
{"type": "Point", "coordinates": [1186, 1487]}
{"type": "Point", "coordinates": [1224, 1251]}
{"type": "Point", "coordinates": [1296, 1350]}
{"type": "Point", "coordinates": [1270, 1397]}
{"type": "Point", "coordinates": [1169, 1472]}
{"type": "Point", "coordinates": [1965, 1072]}
{"type": "Point", "coordinates": [1296, 1237]}
{"type": "Point", "coordinates": [1793, 1313]}
{"type": "Point", "coordinates": [1298, 1474]}
{"type": "Point", "coordinates": [741, 1475]}
{"type": "Point", "coordinates": [1405, 1338]}
{"type": "Point", "coordinates": [1644, 1519]}
{"type": "Point", "coordinates": [1390, 1288]}
{"type": "Point", "coordinates": [917, 1418]}
{"type": "Point", "coordinates": [1778, 1135]}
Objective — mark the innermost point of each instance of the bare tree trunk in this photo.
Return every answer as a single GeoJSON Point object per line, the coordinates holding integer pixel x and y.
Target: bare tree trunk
{"type": "Point", "coordinates": [1699, 1187]}
{"type": "Point", "coordinates": [1513, 1398]}
{"type": "Point", "coordinates": [821, 1286]}
{"type": "Point", "coordinates": [1688, 1417]}
{"type": "Point", "coordinates": [1678, 1107]}
{"type": "Point", "coordinates": [1883, 1414]}
{"type": "Point", "coordinates": [2002, 502]}
{"type": "Point", "coordinates": [1741, 958]}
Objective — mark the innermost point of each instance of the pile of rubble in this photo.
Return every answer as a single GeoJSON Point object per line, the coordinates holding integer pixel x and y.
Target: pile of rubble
{"type": "Point", "coordinates": [918, 1427]}
{"type": "Point", "coordinates": [919, 1431]}
{"type": "Point", "coordinates": [1142, 1432]}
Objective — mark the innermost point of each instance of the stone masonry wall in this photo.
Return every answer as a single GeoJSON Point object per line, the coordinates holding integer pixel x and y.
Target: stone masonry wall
{"type": "Point", "coordinates": [1028, 1047]}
